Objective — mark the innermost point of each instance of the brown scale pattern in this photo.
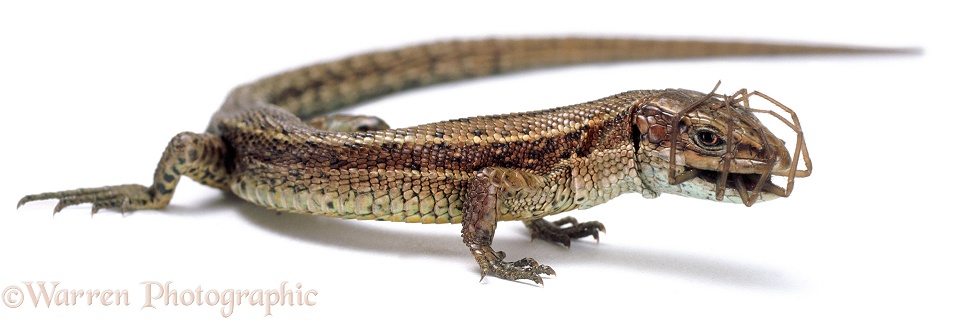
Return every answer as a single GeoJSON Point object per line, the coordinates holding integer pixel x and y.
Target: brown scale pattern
{"type": "Point", "coordinates": [351, 174]}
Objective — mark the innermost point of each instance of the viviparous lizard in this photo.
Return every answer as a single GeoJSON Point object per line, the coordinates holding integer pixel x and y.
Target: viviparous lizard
{"type": "Point", "coordinates": [275, 143]}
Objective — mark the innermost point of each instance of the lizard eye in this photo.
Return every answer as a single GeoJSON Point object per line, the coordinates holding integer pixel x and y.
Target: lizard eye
{"type": "Point", "coordinates": [708, 139]}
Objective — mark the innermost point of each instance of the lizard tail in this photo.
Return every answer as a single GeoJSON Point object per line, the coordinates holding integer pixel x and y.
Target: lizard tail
{"type": "Point", "coordinates": [326, 87]}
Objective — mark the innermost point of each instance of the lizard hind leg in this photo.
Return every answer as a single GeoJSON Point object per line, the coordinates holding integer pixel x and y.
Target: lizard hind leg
{"type": "Point", "coordinates": [201, 157]}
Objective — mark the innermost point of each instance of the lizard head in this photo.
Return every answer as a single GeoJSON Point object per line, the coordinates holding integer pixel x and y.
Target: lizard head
{"type": "Point", "coordinates": [703, 145]}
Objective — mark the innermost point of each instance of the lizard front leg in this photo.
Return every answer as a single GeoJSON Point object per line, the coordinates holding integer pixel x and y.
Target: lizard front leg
{"type": "Point", "coordinates": [198, 156]}
{"type": "Point", "coordinates": [484, 205]}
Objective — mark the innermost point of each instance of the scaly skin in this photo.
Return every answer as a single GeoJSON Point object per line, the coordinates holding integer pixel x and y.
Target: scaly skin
{"type": "Point", "coordinates": [474, 171]}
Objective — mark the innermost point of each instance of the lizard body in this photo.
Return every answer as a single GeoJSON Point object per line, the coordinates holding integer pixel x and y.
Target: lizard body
{"type": "Point", "coordinates": [480, 170]}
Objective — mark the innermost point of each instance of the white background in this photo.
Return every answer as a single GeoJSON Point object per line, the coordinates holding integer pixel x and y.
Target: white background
{"type": "Point", "coordinates": [92, 91]}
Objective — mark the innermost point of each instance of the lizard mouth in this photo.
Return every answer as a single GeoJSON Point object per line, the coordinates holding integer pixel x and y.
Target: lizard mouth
{"type": "Point", "coordinates": [744, 183]}
{"type": "Point", "coordinates": [749, 187]}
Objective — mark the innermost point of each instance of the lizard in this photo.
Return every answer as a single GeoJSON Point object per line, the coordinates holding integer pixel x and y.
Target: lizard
{"type": "Point", "coordinates": [278, 143]}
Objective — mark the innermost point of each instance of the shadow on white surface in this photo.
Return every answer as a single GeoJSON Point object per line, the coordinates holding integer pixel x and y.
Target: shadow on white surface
{"type": "Point", "coordinates": [376, 238]}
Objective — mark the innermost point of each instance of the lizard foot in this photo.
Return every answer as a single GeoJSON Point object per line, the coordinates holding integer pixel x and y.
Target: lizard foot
{"type": "Point", "coordinates": [123, 197]}
{"type": "Point", "coordinates": [491, 262]}
{"type": "Point", "coordinates": [200, 156]}
{"type": "Point", "coordinates": [555, 232]}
